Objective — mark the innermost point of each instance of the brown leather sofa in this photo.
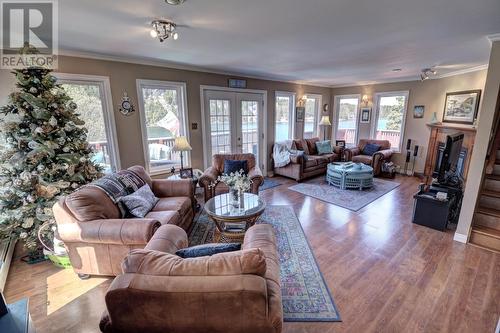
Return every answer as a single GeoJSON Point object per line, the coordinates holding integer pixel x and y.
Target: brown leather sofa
{"type": "Point", "coordinates": [237, 292]}
{"type": "Point", "coordinates": [376, 160]}
{"type": "Point", "coordinates": [312, 164]}
{"type": "Point", "coordinates": [209, 178]}
{"type": "Point", "coordinates": [97, 238]}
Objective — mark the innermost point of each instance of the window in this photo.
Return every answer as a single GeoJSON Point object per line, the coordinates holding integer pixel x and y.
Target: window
{"type": "Point", "coordinates": [312, 106]}
{"type": "Point", "coordinates": [390, 115]}
{"type": "Point", "coordinates": [92, 95]}
{"type": "Point", "coordinates": [347, 108]}
{"type": "Point", "coordinates": [284, 116]}
{"type": "Point", "coordinates": [163, 118]}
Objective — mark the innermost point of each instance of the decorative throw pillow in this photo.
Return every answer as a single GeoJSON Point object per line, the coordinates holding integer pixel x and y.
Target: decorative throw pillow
{"type": "Point", "coordinates": [235, 166]}
{"type": "Point", "coordinates": [140, 202]}
{"type": "Point", "coordinates": [311, 146]}
{"type": "Point", "coordinates": [207, 250]}
{"type": "Point", "coordinates": [370, 149]}
{"type": "Point", "coordinates": [324, 147]}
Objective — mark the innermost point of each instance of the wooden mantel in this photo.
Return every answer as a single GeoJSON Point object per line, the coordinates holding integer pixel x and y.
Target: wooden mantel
{"type": "Point", "coordinates": [439, 131]}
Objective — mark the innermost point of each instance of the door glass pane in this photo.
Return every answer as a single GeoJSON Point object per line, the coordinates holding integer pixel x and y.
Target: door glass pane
{"type": "Point", "coordinates": [310, 118]}
{"type": "Point", "coordinates": [249, 114]}
{"type": "Point", "coordinates": [220, 126]}
{"type": "Point", "coordinates": [347, 120]}
{"type": "Point", "coordinates": [163, 124]}
{"type": "Point", "coordinates": [391, 110]}
{"type": "Point", "coordinates": [282, 125]}
{"type": "Point", "coordinates": [90, 107]}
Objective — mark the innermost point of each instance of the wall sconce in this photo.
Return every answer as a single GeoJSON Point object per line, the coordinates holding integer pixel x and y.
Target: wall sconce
{"type": "Point", "coordinates": [302, 100]}
{"type": "Point", "coordinates": [365, 99]}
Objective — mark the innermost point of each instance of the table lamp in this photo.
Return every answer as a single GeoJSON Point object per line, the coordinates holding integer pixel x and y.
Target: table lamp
{"type": "Point", "coordinates": [325, 121]}
{"type": "Point", "coordinates": [181, 144]}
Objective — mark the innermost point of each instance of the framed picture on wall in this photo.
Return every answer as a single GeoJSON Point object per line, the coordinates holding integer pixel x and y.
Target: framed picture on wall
{"type": "Point", "coordinates": [418, 111]}
{"type": "Point", "coordinates": [461, 107]}
{"type": "Point", "coordinates": [365, 115]}
{"type": "Point", "coordinates": [300, 113]}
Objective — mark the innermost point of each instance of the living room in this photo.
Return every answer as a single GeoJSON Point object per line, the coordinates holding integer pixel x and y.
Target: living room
{"type": "Point", "coordinates": [194, 167]}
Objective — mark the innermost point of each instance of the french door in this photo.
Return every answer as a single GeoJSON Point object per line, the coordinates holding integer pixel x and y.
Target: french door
{"type": "Point", "coordinates": [233, 123]}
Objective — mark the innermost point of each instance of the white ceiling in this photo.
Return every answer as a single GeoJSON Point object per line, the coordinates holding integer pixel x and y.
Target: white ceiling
{"type": "Point", "coordinates": [322, 42]}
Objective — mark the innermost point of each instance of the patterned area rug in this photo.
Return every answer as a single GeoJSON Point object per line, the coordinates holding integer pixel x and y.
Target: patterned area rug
{"type": "Point", "coordinates": [305, 295]}
{"type": "Point", "coordinates": [350, 199]}
{"type": "Point", "coordinates": [268, 183]}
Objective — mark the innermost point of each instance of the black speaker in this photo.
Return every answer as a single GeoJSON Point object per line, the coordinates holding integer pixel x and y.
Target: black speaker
{"type": "Point", "coordinates": [408, 155]}
{"type": "Point", "coordinates": [415, 151]}
{"type": "Point", "coordinates": [408, 144]}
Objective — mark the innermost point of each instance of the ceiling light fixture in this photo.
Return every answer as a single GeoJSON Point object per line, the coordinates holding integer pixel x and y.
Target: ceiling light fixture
{"type": "Point", "coordinates": [424, 75]}
{"type": "Point", "coordinates": [175, 2]}
{"type": "Point", "coordinates": [163, 29]}
{"type": "Point", "coordinates": [397, 69]}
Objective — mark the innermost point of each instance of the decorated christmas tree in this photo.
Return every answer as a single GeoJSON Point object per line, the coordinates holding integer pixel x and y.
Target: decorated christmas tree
{"type": "Point", "coordinates": [44, 154]}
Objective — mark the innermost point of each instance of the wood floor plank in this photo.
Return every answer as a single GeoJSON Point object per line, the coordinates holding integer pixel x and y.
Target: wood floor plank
{"type": "Point", "coordinates": [386, 274]}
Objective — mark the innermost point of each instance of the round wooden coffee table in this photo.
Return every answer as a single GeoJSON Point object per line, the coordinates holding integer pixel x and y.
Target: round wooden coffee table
{"type": "Point", "coordinates": [231, 222]}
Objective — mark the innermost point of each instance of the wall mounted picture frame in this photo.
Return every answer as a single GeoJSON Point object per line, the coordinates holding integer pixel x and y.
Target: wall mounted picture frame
{"type": "Point", "coordinates": [461, 107]}
{"type": "Point", "coordinates": [365, 115]}
{"type": "Point", "coordinates": [418, 111]}
{"type": "Point", "coordinates": [300, 113]}
{"type": "Point", "coordinates": [237, 83]}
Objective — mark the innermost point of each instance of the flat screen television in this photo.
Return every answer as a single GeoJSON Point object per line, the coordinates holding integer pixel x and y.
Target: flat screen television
{"type": "Point", "coordinates": [449, 161]}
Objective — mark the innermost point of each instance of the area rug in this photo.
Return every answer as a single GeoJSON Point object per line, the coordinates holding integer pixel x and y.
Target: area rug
{"type": "Point", "coordinates": [351, 199]}
{"type": "Point", "coordinates": [305, 295]}
{"type": "Point", "coordinates": [268, 183]}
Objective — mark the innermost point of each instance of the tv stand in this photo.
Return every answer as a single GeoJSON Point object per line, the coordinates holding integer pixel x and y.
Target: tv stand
{"type": "Point", "coordinates": [434, 213]}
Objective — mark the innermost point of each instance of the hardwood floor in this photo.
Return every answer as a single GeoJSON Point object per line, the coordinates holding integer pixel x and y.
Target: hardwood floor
{"type": "Point", "coordinates": [385, 273]}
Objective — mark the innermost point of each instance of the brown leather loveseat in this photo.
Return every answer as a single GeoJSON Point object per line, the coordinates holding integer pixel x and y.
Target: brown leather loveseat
{"type": "Point", "coordinates": [376, 160]}
{"type": "Point", "coordinates": [97, 238]}
{"type": "Point", "coordinates": [209, 178]}
{"type": "Point", "coordinates": [237, 292]}
{"type": "Point", "coordinates": [310, 163]}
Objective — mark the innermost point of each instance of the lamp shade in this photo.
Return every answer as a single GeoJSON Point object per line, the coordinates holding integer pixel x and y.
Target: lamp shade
{"type": "Point", "coordinates": [181, 144]}
{"type": "Point", "coordinates": [325, 121]}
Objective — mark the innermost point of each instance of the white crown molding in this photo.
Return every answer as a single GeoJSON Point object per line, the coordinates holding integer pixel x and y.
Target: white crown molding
{"type": "Point", "coordinates": [175, 65]}
{"type": "Point", "coordinates": [462, 71]}
{"type": "Point", "coordinates": [494, 37]}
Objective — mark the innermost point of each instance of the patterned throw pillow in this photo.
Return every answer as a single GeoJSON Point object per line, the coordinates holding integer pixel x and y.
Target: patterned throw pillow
{"type": "Point", "coordinates": [207, 250]}
{"type": "Point", "coordinates": [324, 147]}
{"type": "Point", "coordinates": [371, 149]}
{"type": "Point", "coordinates": [140, 202]}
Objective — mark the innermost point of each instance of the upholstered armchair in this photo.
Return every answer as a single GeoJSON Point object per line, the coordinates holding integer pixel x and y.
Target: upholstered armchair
{"type": "Point", "coordinates": [209, 178]}
{"type": "Point", "coordinates": [235, 292]}
{"type": "Point", "coordinates": [96, 235]}
{"type": "Point", "coordinates": [375, 160]}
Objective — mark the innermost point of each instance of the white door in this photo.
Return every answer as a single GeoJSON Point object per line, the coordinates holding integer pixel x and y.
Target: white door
{"type": "Point", "coordinates": [233, 122]}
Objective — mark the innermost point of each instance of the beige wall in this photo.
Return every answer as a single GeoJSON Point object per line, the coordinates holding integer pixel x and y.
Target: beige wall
{"type": "Point", "coordinates": [430, 93]}
{"type": "Point", "coordinates": [484, 129]}
{"type": "Point", "coordinates": [123, 78]}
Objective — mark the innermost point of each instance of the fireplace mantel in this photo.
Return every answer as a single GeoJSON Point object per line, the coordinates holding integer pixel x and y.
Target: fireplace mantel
{"type": "Point", "coordinates": [438, 135]}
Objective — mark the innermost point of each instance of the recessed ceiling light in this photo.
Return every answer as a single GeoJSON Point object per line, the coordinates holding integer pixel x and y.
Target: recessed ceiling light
{"type": "Point", "coordinates": [397, 69]}
{"type": "Point", "coordinates": [175, 2]}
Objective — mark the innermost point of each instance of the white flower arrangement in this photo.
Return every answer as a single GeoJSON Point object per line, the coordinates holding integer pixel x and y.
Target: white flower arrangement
{"type": "Point", "coordinates": [236, 180]}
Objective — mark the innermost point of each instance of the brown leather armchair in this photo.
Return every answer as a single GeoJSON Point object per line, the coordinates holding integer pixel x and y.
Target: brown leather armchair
{"type": "Point", "coordinates": [97, 238]}
{"type": "Point", "coordinates": [376, 160]}
{"type": "Point", "coordinates": [209, 178]}
{"type": "Point", "coordinates": [236, 292]}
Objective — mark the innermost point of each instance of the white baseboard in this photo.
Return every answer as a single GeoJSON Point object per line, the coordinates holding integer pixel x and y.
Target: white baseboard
{"type": "Point", "coordinates": [6, 253]}
{"type": "Point", "coordinates": [460, 238]}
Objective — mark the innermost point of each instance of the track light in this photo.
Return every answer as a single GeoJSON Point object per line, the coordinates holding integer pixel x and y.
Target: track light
{"type": "Point", "coordinates": [163, 29]}
{"type": "Point", "coordinates": [424, 75]}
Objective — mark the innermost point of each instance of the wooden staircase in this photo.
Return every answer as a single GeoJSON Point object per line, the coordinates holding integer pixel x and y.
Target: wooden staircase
{"type": "Point", "coordinates": [486, 223]}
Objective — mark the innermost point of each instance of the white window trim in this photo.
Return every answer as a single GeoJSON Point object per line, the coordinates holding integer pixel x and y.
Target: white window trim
{"type": "Point", "coordinates": [335, 126]}
{"type": "Point", "coordinates": [140, 83]}
{"type": "Point", "coordinates": [291, 127]}
{"type": "Point", "coordinates": [375, 114]}
{"type": "Point", "coordinates": [109, 117]}
{"type": "Point", "coordinates": [318, 113]}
